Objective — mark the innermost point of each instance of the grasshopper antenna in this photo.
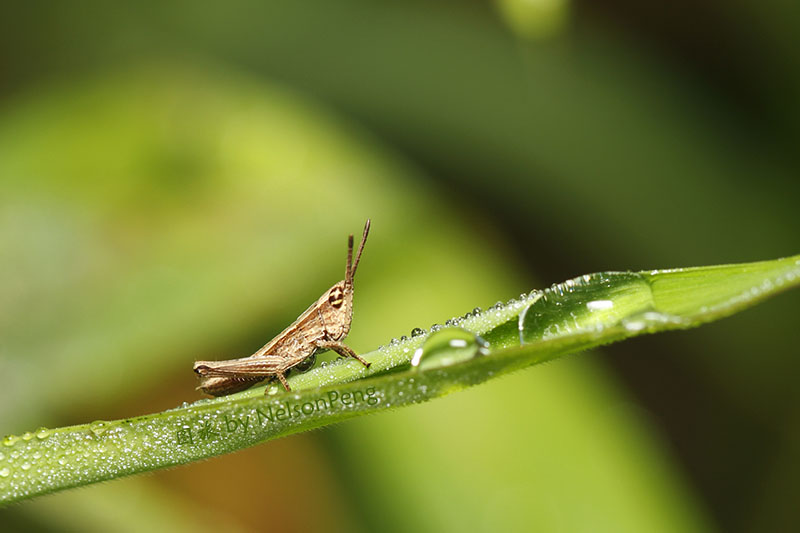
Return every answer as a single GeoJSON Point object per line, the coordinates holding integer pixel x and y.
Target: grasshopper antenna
{"type": "Point", "coordinates": [352, 266]}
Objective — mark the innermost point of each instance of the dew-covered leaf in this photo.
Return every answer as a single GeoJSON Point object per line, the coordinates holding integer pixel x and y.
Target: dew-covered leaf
{"type": "Point", "coordinates": [540, 326]}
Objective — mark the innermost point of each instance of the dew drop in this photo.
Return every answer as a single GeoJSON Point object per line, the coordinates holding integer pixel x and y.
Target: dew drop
{"type": "Point", "coordinates": [98, 427]}
{"type": "Point", "coordinates": [589, 303]}
{"type": "Point", "coordinates": [306, 364]}
{"type": "Point", "coordinates": [42, 433]}
{"type": "Point", "coordinates": [27, 435]}
{"type": "Point", "coordinates": [448, 346]}
{"type": "Point", "coordinates": [416, 332]}
{"type": "Point", "coordinates": [25, 466]}
{"type": "Point", "coordinates": [435, 328]}
{"type": "Point", "coordinates": [4, 472]}
{"type": "Point", "coordinates": [10, 440]}
{"type": "Point", "coordinates": [477, 311]}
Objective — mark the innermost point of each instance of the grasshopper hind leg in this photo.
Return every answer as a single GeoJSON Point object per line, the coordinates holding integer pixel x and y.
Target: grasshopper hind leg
{"type": "Point", "coordinates": [282, 379]}
{"type": "Point", "coordinates": [222, 386]}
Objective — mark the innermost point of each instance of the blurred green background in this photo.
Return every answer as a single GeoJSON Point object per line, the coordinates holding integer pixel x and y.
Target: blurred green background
{"type": "Point", "coordinates": [177, 180]}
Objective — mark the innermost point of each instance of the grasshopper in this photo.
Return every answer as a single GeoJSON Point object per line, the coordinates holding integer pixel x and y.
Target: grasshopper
{"type": "Point", "coordinates": [321, 327]}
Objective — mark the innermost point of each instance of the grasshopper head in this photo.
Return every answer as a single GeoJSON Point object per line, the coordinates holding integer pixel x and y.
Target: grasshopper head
{"type": "Point", "coordinates": [337, 303]}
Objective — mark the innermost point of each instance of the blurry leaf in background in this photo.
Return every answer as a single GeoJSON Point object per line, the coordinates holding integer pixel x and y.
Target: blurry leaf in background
{"type": "Point", "coordinates": [533, 451]}
{"type": "Point", "coordinates": [534, 19]}
{"type": "Point", "coordinates": [166, 214]}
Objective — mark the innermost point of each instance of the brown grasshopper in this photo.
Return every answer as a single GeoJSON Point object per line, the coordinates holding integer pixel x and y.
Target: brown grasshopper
{"type": "Point", "coordinates": [321, 326]}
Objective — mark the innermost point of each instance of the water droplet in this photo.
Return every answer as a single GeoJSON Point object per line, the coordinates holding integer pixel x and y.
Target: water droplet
{"type": "Point", "coordinates": [435, 327]}
{"type": "Point", "coordinates": [393, 342]}
{"type": "Point", "coordinates": [416, 332]}
{"type": "Point", "coordinates": [497, 306]}
{"type": "Point", "coordinates": [10, 440]}
{"type": "Point", "coordinates": [98, 427]}
{"type": "Point", "coordinates": [27, 435]}
{"type": "Point", "coordinates": [42, 433]}
{"type": "Point", "coordinates": [589, 303]}
{"type": "Point", "coordinates": [477, 311]}
{"type": "Point", "coordinates": [403, 338]}
{"type": "Point", "coordinates": [306, 364]}
{"type": "Point", "coordinates": [25, 466]}
{"type": "Point", "coordinates": [449, 322]}
{"type": "Point", "coordinates": [447, 347]}
{"type": "Point", "coordinates": [4, 472]}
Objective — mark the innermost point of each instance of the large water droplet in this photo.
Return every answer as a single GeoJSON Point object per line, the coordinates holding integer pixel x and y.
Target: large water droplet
{"type": "Point", "coordinates": [4, 472]}
{"type": "Point", "coordinates": [10, 440]}
{"type": "Point", "coordinates": [42, 433]}
{"type": "Point", "coordinates": [416, 332]}
{"type": "Point", "coordinates": [585, 304]}
{"type": "Point", "coordinates": [99, 427]}
{"type": "Point", "coordinates": [448, 346]}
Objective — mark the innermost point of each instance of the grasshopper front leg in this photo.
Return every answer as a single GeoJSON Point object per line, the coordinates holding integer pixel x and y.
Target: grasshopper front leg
{"type": "Point", "coordinates": [342, 349]}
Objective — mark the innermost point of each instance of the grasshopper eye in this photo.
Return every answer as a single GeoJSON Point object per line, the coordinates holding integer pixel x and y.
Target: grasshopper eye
{"type": "Point", "coordinates": [336, 297]}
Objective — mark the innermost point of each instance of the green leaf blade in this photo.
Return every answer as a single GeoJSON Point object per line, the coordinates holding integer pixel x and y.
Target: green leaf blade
{"type": "Point", "coordinates": [544, 325]}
